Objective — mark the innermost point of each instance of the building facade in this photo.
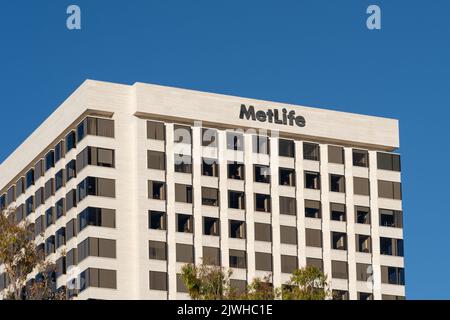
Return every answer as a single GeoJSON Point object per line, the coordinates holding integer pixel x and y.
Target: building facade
{"type": "Point", "coordinates": [123, 185]}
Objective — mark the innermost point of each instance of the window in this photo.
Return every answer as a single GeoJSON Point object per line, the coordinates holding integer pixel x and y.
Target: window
{"type": "Point", "coordinates": [338, 241]}
{"type": "Point", "coordinates": [361, 158]}
{"type": "Point", "coordinates": [71, 199]}
{"type": "Point", "coordinates": [59, 151]}
{"type": "Point", "coordinates": [38, 170]}
{"type": "Point", "coordinates": [157, 250]}
{"type": "Point", "coordinates": [50, 245]}
{"type": "Point", "coordinates": [183, 163]}
{"type": "Point", "coordinates": [391, 297]}
{"type": "Point", "coordinates": [49, 217]}
{"type": "Point", "coordinates": [182, 134]}
{"type": "Point", "coordinates": [363, 243]}
{"type": "Point", "coordinates": [157, 220]}
{"type": "Point", "coordinates": [337, 212]}
{"type": "Point", "coordinates": [98, 217]}
{"type": "Point", "coordinates": [71, 229]}
{"type": "Point", "coordinates": [287, 177]}
{"type": "Point", "coordinates": [365, 296]}
{"type": "Point", "coordinates": [98, 278]}
{"type": "Point", "coordinates": [92, 156]}
{"type": "Point", "coordinates": [60, 267]}
{"type": "Point", "coordinates": [339, 269]}
{"type": "Point", "coordinates": [49, 189]}
{"type": "Point", "coordinates": [263, 232]}
{"type": "Point", "coordinates": [185, 253]}
{"type": "Point", "coordinates": [11, 195]}
{"type": "Point", "coordinates": [60, 208]}
{"type": "Point", "coordinates": [49, 160]}
{"type": "Point", "coordinates": [311, 151]}
{"type": "Point", "coordinates": [20, 213]}
{"type": "Point", "coordinates": [96, 247]}
{"type": "Point", "coordinates": [288, 206]}
{"type": "Point", "coordinates": [29, 178]}
{"type": "Point", "coordinates": [337, 183]}
{"type": "Point", "coordinates": [288, 263]}
{"type": "Point", "coordinates": [313, 262]}
{"type": "Point", "coordinates": [236, 199]}
{"type": "Point", "coordinates": [263, 261]}
{"type": "Point", "coordinates": [3, 202]}
{"type": "Point", "coordinates": [70, 141]}
{"type": "Point", "coordinates": [313, 209]}
{"type": "Point", "coordinates": [39, 198]}
{"type": "Point", "coordinates": [29, 205]}
{"type": "Point", "coordinates": [156, 190]}
{"type": "Point", "coordinates": [313, 238]}
{"type": "Point", "coordinates": [60, 237]}
{"type": "Point", "coordinates": [183, 193]}
{"type": "Point", "coordinates": [335, 154]}
{"type": "Point", "coordinates": [288, 235]}
{"type": "Point", "coordinates": [391, 247]}
{"type": "Point", "coordinates": [20, 187]}
{"type": "Point", "coordinates": [239, 286]}
{"type": "Point", "coordinates": [362, 215]}
{"type": "Point", "coordinates": [181, 287]}
{"type": "Point", "coordinates": [100, 187]}
{"type": "Point", "coordinates": [361, 186]}
{"type": "Point", "coordinates": [388, 161]}
{"type": "Point", "coordinates": [261, 144]}
{"type": "Point", "coordinates": [155, 130]}
{"type": "Point", "coordinates": [235, 141]}
{"type": "Point", "coordinates": [236, 170]}
{"type": "Point", "coordinates": [238, 259]}
{"type": "Point", "coordinates": [237, 229]}
{"type": "Point", "coordinates": [210, 196]}
{"type": "Point", "coordinates": [211, 226]}
{"type": "Point", "coordinates": [211, 256]}
{"type": "Point", "coordinates": [262, 202]}
{"type": "Point", "coordinates": [392, 275]}
{"type": "Point", "coordinates": [156, 160]}
{"type": "Point", "coordinates": [209, 137]}
{"type": "Point", "coordinates": [158, 280]}
{"type": "Point", "coordinates": [391, 218]}
{"type": "Point", "coordinates": [262, 173]}
{"type": "Point", "coordinates": [185, 223]}
{"type": "Point", "coordinates": [340, 295]}
{"type": "Point", "coordinates": [39, 226]}
{"type": "Point", "coordinates": [96, 127]}
{"type": "Point", "coordinates": [71, 171]}
{"type": "Point", "coordinates": [312, 180]}
{"type": "Point", "coordinates": [72, 258]}
{"type": "Point", "coordinates": [286, 148]}
{"type": "Point", "coordinates": [210, 167]}
{"type": "Point", "coordinates": [389, 190]}
{"type": "Point", "coordinates": [59, 180]}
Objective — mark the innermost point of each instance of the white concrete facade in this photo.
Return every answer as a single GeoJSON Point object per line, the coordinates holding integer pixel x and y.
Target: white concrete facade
{"type": "Point", "coordinates": [132, 106]}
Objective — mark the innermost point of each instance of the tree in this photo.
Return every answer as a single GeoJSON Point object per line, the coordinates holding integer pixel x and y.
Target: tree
{"type": "Point", "coordinates": [308, 283]}
{"type": "Point", "coordinates": [20, 259]}
{"type": "Point", "coordinates": [206, 282]}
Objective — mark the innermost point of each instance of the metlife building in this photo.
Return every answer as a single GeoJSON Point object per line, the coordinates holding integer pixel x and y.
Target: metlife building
{"type": "Point", "coordinates": [126, 184]}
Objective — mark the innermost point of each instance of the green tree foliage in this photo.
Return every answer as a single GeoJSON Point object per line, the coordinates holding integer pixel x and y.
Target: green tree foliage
{"type": "Point", "coordinates": [206, 282]}
{"type": "Point", "coordinates": [20, 258]}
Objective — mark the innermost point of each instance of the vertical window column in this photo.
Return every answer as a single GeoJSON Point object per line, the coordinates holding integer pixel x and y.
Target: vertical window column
{"type": "Point", "coordinates": [170, 214]}
{"type": "Point", "coordinates": [249, 206]}
{"type": "Point", "coordinates": [375, 221]}
{"type": "Point", "coordinates": [274, 191]}
{"type": "Point", "coordinates": [350, 215]}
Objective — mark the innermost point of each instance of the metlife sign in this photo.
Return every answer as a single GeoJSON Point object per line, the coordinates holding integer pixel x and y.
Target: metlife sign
{"type": "Point", "coordinates": [275, 116]}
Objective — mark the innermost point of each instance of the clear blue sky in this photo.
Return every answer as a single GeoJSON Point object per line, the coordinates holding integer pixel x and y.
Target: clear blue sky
{"type": "Point", "coordinates": [316, 53]}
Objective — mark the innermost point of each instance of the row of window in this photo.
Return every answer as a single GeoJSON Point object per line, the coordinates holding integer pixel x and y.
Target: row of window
{"type": "Point", "coordinates": [264, 262]}
{"type": "Point", "coordinates": [89, 126]}
{"type": "Point", "coordinates": [263, 232]}
{"type": "Point", "coordinates": [286, 147]}
{"type": "Point", "coordinates": [236, 200]}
